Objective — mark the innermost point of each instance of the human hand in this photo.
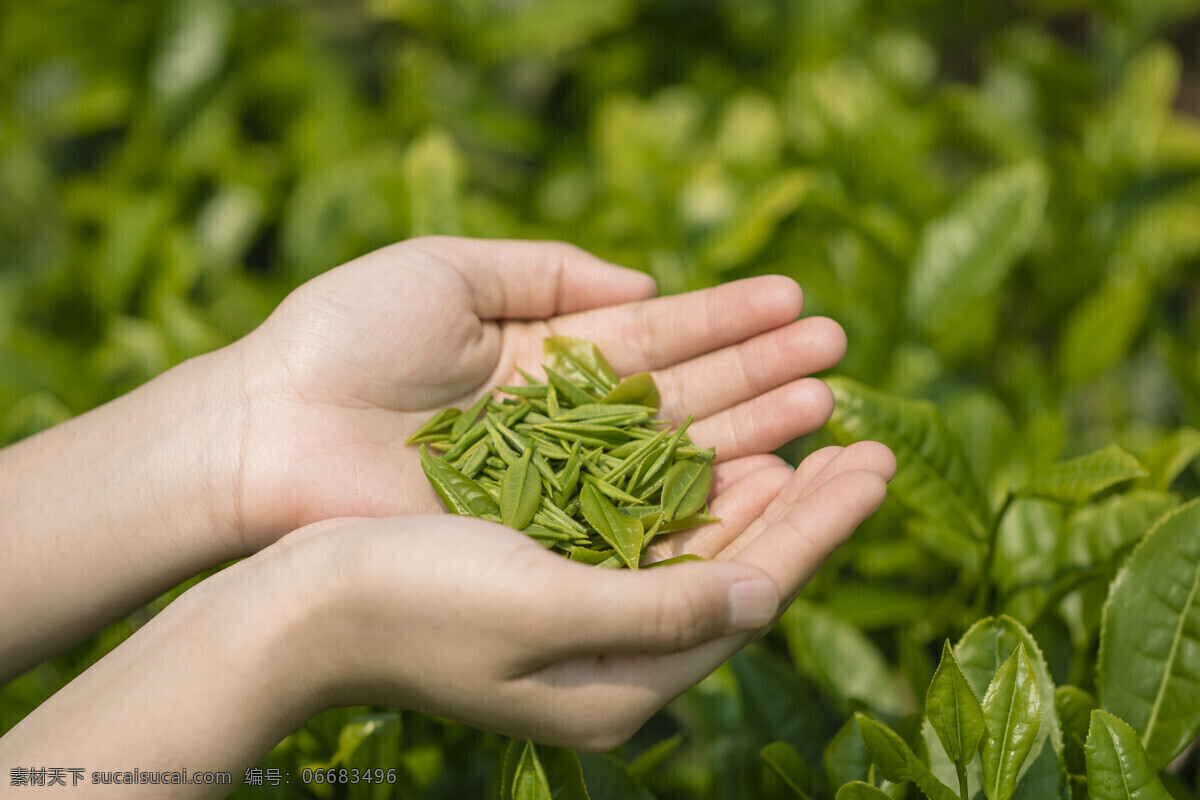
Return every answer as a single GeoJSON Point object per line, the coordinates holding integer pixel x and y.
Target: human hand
{"type": "Point", "coordinates": [469, 620]}
{"type": "Point", "coordinates": [352, 362]}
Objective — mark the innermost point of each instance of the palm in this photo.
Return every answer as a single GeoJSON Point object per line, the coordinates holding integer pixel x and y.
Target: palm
{"type": "Point", "coordinates": [354, 361]}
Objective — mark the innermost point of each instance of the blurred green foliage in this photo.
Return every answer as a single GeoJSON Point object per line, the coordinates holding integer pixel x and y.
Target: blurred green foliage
{"type": "Point", "coordinates": [999, 201]}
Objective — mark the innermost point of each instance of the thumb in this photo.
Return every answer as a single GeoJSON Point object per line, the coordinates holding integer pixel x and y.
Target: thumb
{"type": "Point", "coordinates": [666, 609]}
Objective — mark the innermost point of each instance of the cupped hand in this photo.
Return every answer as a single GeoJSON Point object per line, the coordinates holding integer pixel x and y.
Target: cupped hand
{"type": "Point", "coordinates": [472, 621]}
{"type": "Point", "coordinates": [355, 360]}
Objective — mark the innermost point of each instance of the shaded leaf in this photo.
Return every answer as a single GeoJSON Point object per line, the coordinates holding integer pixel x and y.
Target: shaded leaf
{"type": "Point", "coordinates": [1074, 707]}
{"type": "Point", "coordinates": [896, 762]}
{"type": "Point", "coordinates": [844, 662]}
{"type": "Point", "coordinates": [857, 790]}
{"type": "Point", "coordinates": [846, 758]}
{"type": "Point", "coordinates": [790, 767]}
{"type": "Point", "coordinates": [966, 254]}
{"type": "Point", "coordinates": [1149, 664]}
{"type": "Point", "coordinates": [932, 476]}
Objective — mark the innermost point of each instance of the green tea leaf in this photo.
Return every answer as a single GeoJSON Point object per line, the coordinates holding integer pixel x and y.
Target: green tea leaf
{"type": "Point", "coordinates": [1100, 530]}
{"type": "Point", "coordinates": [653, 757]}
{"type": "Point", "coordinates": [1149, 664]}
{"type": "Point", "coordinates": [580, 361]}
{"type": "Point", "coordinates": [564, 392]}
{"type": "Point", "coordinates": [530, 782]}
{"type": "Point", "coordinates": [967, 253]}
{"type": "Point", "coordinates": [666, 562]}
{"type": "Point", "coordinates": [461, 494]}
{"type": "Point", "coordinates": [1169, 456]}
{"type": "Point", "coordinates": [1101, 330]}
{"type": "Point", "coordinates": [844, 662]}
{"type": "Point", "coordinates": [1013, 709]}
{"type": "Point", "coordinates": [520, 492]}
{"type": "Point", "coordinates": [564, 775]}
{"type": "Point", "coordinates": [685, 488]}
{"type": "Point", "coordinates": [439, 422]}
{"type": "Point", "coordinates": [1117, 766]}
{"type": "Point", "coordinates": [623, 533]}
{"type": "Point", "coordinates": [608, 779]}
{"type": "Point", "coordinates": [932, 476]}
{"type": "Point", "coordinates": [1074, 707]}
{"type": "Point", "coordinates": [896, 761]}
{"type": "Point", "coordinates": [953, 709]}
{"type": "Point", "coordinates": [638, 389]}
{"type": "Point", "coordinates": [846, 758]}
{"type": "Point", "coordinates": [1078, 479]}
{"type": "Point", "coordinates": [981, 651]}
{"type": "Point", "coordinates": [857, 790]}
{"type": "Point", "coordinates": [464, 421]}
{"type": "Point", "coordinates": [790, 767]}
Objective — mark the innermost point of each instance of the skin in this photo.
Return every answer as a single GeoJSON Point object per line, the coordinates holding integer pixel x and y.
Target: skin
{"type": "Point", "coordinates": [300, 427]}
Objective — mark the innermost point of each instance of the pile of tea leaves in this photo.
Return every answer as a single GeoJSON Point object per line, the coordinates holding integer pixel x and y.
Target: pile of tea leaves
{"type": "Point", "coordinates": [579, 462]}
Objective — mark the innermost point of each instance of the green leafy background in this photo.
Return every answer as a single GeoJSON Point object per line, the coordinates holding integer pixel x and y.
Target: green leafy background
{"type": "Point", "coordinates": [999, 201]}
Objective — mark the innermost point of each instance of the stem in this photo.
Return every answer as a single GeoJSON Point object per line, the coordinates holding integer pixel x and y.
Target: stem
{"type": "Point", "coordinates": [962, 780]}
{"type": "Point", "coordinates": [983, 596]}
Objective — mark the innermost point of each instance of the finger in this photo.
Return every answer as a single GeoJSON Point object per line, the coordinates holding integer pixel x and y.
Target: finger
{"type": "Point", "coordinates": [738, 507]}
{"type": "Point", "coordinates": [715, 381]}
{"type": "Point", "coordinates": [510, 279]}
{"type": "Point", "coordinates": [766, 422]}
{"type": "Point", "coordinates": [814, 472]}
{"type": "Point", "coordinates": [657, 333]}
{"type": "Point", "coordinates": [792, 547]}
{"type": "Point", "coordinates": [727, 473]}
{"type": "Point", "coordinates": [661, 610]}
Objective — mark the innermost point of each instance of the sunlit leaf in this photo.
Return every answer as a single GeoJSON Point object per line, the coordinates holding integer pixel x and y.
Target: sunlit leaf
{"type": "Point", "coordinates": [966, 254]}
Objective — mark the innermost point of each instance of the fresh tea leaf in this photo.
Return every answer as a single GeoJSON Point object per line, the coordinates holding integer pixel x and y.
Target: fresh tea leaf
{"type": "Point", "coordinates": [461, 494]}
{"type": "Point", "coordinates": [857, 790]}
{"type": "Point", "coordinates": [953, 709]}
{"type": "Point", "coordinates": [967, 253]}
{"type": "Point", "coordinates": [932, 476]}
{"type": "Point", "coordinates": [580, 361]}
{"type": "Point", "coordinates": [530, 782]}
{"type": "Point", "coordinates": [623, 533]}
{"type": "Point", "coordinates": [1078, 479]}
{"type": "Point", "coordinates": [685, 488]}
{"type": "Point", "coordinates": [520, 492]}
{"type": "Point", "coordinates": [638, 389]}
{"type": "Point", "coordinates": [790, 767]}
{"type": "Point", "coordinates": [1149, 664]}
{"type": "Point", "coordinates": [1013, 710]}
{"type": "Point", "coordinates": [1117, 766]}
{"type": "Point", "coordinates": [896, 762]}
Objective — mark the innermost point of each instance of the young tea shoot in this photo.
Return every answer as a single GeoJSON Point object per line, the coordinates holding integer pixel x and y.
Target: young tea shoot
{"type": "Point", "coordinates": [580, 462]}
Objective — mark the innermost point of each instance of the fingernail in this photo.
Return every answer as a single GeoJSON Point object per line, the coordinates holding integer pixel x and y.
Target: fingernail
{"type": "Point", "coordinates": [752, 604]}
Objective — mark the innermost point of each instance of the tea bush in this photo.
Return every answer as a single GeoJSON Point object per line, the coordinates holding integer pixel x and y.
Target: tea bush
{"type": "Point", "coordinates": [999, 201]}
